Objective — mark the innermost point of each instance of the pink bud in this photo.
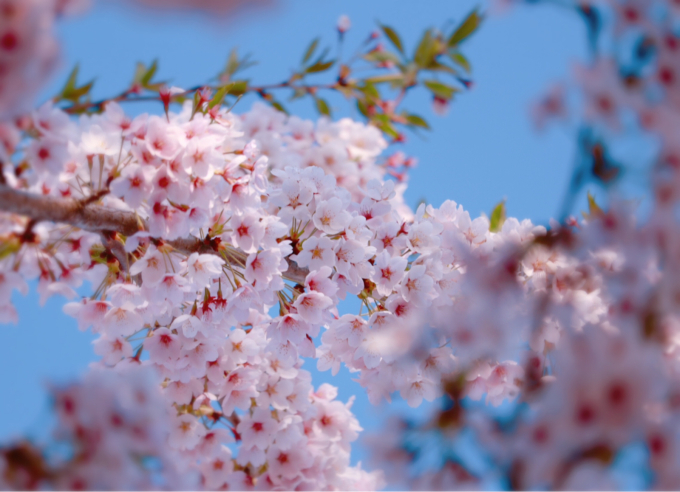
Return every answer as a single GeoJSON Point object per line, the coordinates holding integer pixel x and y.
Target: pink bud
{"type": "Point", "coordinates": [343, 24]}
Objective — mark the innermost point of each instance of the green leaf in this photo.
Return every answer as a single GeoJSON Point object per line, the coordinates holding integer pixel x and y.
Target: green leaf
{"type": "Point", "coordinates": [320, 66]}
{"type": "Point", "coordinates": [310, 50]}
{"type": "Point", "coordinates": [278, 106]}
{"type": "Point", "coordinates": [232, 62]}
{"type": "Point", "coordinates": [440, 90]}
{"type": "Point", "coordinates": [238, 87]}
{"type": "Point", "coordinates": [322, 106]}
{"type": "Point", "coordinates": [460, 60]}
{"type": "Point", "coordinates": [497, 217]}
{"type": "Point", "coordinates": [246, 62]}
{"type": "Point", "coordinates": [71, 91]}
{"type": "Point", "coordinates": [71, 81]}
{"type": "Point", "coordinates": [381, 117]}
{"type": "Point", "coordinates": [298, 93]}
{"type": "Point", "coordinates": [146, 78]}
{"type": "Point", "coordinates": [361, 106]}
{"type": "Point", "coordinates": [372, 93]}
{"type": "Point", "coordinates": [381, 57]}
{"type": "Point", "coordinates": [435, 66]}
{"type": "Point", "coordinates": [415, 120]}
{"type": "Point", "coordinates": [467, 27]}
{"type": "Point", "coordinates": [392, 78]}
{"type": "Point", "coordinates": [346, 90]}
{"type": "Point", "coordinates": [235, 65]}
{"type": "Point", "coordinates": [70, 86]}
{"type": "Point", "coordinates": [393, 37]}
{"type": "Point", "coordinates": [80, 91]}
{"type": "Point", "coordinates": [8, 246]}
{"type": "Point", "coordinates": [425, 50]}
{"type": "Point", "coordinates": [386, 126]}
{"type": "Point", "coordinates": [594, 209]}
{"type": "Point", "coordinates": [218, 97]}
{"type": "Point", "coordinates": [140, 70]}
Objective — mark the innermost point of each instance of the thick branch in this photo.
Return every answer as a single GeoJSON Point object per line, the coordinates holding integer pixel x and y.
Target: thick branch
{"type": "Point", "coordinates": [90, 217]}
{"type": "Point", "coordinates": [97, 218]}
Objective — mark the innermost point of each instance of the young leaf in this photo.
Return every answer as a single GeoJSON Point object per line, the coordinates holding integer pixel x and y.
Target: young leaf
{"type": "Point", "coordinates": [71, 91]}
{"type": "Point", "coordinates": [370, 90]}
{"type": "Point", "coordinates": [235, 65]}
{"type": "Point", "coordinates": [298, 93]}
{"type": "Point", "coordinates": [497, 217]}
{"type": "Point", "coordinates": [440, 90]}
{"type": "Point", "coordinates": [381, 57]}
{"type": "Point", "coordinates": [140, 70]}
{"type": "Point", "coordinates": [70, 84]}
{"type": "Point", "coordinates": [386, 127]}
{"type": "Point", "coordinates": [146, 78]}
{"type": "Point", "coordinates": [435, 66]}
{"type": "Point", "coordinates": [460, 60]}
{"type": "Point", "coordinates": [320, 66]}
{"type": "Point", "coordinates": [468, 26]}
{"type": "Point", "coordinates": [277, 105]}
{"type": "Point", "coordinates": [393, 37]}
{"type": "Point", "coordinates": [232, 63]}
{"type": "Point", "coordinates": [196, 103]}
{"type": "Point", "coordinates": [322, 106]}
{"type": "Point", "coordinates": [392, 78]}
{"type": "Point", "coordinates": [425, 50]}
{"type": "Point", "coordinates": [9, 246]}
{"type": "Point", "coordinates": [218, 97]}
{"type": "Point", "coordinates": [361, 106]}
{"type": "Point", "coordinates": [594, 209]}
{"type": "Point", "coordinates": [310, 50]}
{"type": "Point", "coordinates": [81, 91]}
{"type": "Point", "coordinates": [238, 87]}
{"type": "Point", "coordinates": [415, 120]}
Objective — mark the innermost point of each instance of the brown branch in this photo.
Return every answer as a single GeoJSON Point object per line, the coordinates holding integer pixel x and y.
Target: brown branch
{"type": "Point", "coordinates": [97, 218]}
{"type": "Point", "coordinates": [117, 249]}
{"type": "Point", "coordinates": [89, 217]}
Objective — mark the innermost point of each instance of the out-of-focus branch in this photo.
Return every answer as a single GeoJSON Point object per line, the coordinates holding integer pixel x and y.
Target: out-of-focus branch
{"type": "Point", "coordinates": [222, 9]}
{"type": "Point", "coordinates": [93, 217]}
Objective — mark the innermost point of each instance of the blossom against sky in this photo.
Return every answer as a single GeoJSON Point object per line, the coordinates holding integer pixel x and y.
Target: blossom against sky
{"type": "Point", "coordinates": [484, 150]}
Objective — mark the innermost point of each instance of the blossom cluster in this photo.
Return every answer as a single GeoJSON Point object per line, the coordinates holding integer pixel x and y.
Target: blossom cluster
{"type": "Point", "coordinates": [201, 317]}
{"type": "Point", "coordinates": [239, 215]}
{"type": "Point", "coordinates": [598, 372]}
{"type": "Point", "coordinates": [28, 49]}
{"type": "Point", "coordinates": [240, 236]}
{"type": "Point", "coordinates": [111, 433]}
{"type": "Point", "coordinates": [598, 307]}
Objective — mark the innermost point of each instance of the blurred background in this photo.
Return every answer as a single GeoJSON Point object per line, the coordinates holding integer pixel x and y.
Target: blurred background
{"type": "Point", "coordinates": [485, 150]}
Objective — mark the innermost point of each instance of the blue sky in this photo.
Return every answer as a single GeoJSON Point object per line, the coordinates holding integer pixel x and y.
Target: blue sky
{"type": "Point", "coordinates": [483, 151]}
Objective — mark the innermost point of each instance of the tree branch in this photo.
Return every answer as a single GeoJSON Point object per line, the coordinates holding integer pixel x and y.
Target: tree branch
{"type": "Point", "coordinates": [89, 217]}
{"type": "Point", "coordinates": [93, 217]}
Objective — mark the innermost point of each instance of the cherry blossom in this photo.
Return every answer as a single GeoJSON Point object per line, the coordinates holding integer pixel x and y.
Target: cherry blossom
{"type": "Point", "coordinates": [236, 237]}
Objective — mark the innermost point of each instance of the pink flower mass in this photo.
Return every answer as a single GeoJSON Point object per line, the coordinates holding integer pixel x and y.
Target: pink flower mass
{"type": "Point", "coordinates": [221, 242]}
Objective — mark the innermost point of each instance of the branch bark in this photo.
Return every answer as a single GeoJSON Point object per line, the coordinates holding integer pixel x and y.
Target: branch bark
{"type": "Point", "coordinates": [90, 217]}
{"type": "Point", "coordinates": [97, 218]}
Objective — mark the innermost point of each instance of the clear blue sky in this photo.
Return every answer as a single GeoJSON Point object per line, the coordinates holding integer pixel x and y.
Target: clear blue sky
{"type": "Point", "coordinates": [483, 151]}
